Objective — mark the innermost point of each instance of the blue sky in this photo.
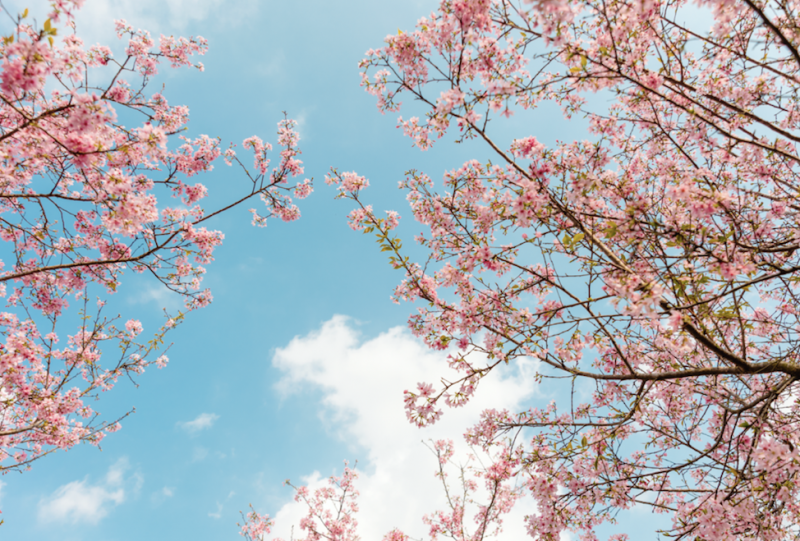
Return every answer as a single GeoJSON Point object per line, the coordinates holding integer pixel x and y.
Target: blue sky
{"type": "Point", "coordinates": [301, 360]}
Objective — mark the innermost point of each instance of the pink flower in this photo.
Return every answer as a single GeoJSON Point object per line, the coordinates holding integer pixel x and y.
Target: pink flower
{"type": "Point", "coordinates": [133, 326]}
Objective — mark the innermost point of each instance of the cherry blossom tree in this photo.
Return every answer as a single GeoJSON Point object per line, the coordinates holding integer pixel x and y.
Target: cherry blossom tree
{"type": "Point", "coordinates": [85, 198]}
{"type": "Point", "coordinates": [651, 269]}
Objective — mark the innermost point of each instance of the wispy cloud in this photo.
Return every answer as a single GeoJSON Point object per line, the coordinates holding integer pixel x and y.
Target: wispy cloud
{"type": "Point", "coordinates": [160, 496]}
{"type": "Point", "coordinates": [218, 513]}
{"type": "Point", "coordinates": [82, 502]}
{"type": "Point", "coordinates": [158, 295]}
{"type": "Point", "coordinates": [96, 19]}
{"type": "Point", "coordinates": [199, 454]}
{"type": "Point", "coordinates": [201, 422]}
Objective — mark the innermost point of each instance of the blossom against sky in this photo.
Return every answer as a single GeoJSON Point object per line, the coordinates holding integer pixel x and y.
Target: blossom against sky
{"type": "Point", "coordinates": [301, 360]}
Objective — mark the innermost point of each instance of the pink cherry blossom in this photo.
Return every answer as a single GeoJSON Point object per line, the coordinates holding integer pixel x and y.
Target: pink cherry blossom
{"type": "Point", "coordinates": [86, 199]}
{"type": "Point", "coordinates": [653, 263]}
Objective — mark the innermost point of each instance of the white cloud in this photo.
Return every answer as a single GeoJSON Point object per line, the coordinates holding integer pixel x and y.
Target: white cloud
{"type": "Point", "coordinates": [362, 384]}
{"type": "Point", "coordinates": [201, 422]}
{"type": "Point", "coordinates": [302, 127]}
{"type": "Point", "coordinates": [80, 501]}
{"type": "Point", "coordinates": [160, 496]}
{"type": "Point", "coordinates": [156, 294]}
{"type": "Point", "coordinates": [216, 514]}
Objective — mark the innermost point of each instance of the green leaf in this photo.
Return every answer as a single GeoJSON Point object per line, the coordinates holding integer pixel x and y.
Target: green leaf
{"type": "Point", "coordinates": [584, 61]}
{"type": "Point", "coordinates": [47, 26]}
{"type": "Point", "coordinates": [25, 13]}
{"type": "Point", "coordinates": [577, 238]}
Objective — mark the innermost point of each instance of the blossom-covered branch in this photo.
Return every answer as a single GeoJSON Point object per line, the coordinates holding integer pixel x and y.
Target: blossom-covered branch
{"type": "Point", "coordinates": [85, 198]}
{"type": "Point", "coordinates": [652, 266]}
